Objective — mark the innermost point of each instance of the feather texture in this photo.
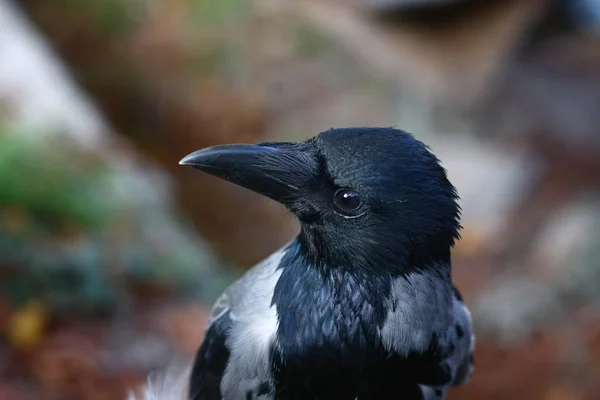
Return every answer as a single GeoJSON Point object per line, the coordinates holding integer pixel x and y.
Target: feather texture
{"type": "Point", "coordinates": [171, 384]}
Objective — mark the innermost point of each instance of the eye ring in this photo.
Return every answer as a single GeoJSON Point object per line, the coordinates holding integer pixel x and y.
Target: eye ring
{"type": "Point", "coordinates": [347, 202]}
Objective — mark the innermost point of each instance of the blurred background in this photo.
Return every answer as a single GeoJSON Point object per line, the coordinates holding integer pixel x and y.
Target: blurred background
{"type": "Point", "coordinates": [111, 253]}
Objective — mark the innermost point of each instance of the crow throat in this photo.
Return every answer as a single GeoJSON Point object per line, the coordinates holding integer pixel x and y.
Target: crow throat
{"type": "Point", "coordinates": [329, 319]}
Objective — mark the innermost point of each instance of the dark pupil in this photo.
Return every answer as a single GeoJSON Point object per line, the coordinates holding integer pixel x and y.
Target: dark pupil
{"type": "Point", "coordinates": [348, 199]}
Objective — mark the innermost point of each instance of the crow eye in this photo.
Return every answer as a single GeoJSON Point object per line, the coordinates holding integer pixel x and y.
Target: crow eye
{"type": "Point", "coordinates": [347, 201]}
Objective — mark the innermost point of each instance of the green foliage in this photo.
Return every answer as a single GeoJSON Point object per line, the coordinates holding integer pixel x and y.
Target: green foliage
{"type": "Point", "coordinates": [211, 13]}
{"type": "Point", "coordinates": [52, 183]}
{"type": "Point", "coordinates": [82, 230]}
{"type": "Point", "coordinates": [218, 26]}
{"type": "Point", "coordinates": [108, 16]}
{"type": "Point", "coordinates": [213, 61]}
{"type": "Point", "coordinates": [308, 42]}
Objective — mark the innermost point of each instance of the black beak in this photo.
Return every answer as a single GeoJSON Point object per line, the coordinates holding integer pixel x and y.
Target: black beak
{"type": "Point", "coordinates": [279, 171]}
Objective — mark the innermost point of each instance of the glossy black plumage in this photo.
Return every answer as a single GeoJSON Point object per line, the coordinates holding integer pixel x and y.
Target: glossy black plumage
{"type": "Point", "coordinates": [210, 362]}
{"type": "Point", "coordinates": [325, 342]}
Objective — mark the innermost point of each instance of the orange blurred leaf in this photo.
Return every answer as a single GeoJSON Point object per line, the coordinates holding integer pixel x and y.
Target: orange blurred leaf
{"type": "Point", "coordinates": [26, 326]}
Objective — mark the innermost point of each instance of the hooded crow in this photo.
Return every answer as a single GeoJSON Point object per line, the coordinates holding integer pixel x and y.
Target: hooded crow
{"type": "Point", "coordinates": [361, 304]}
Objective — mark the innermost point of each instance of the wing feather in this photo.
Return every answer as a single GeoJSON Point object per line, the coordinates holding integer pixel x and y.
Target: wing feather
{"type": "Point", "coordinates": [211, 361]}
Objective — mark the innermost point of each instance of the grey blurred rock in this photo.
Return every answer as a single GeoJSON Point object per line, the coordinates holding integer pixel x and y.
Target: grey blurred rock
{"type": "Point", "coordinates": [565, 237]}
{"type": "Point", "coordinates": [561, 269]}
{"type": "Point", "coordinates": [512, 308]}
{"type": "Point", "coordinates": [42, 96]}
{"type": "Point", "coordinates": [580, 279]}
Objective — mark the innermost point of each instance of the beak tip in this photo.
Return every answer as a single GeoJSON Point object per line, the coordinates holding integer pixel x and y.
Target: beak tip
{"type": "Point", "coordinates": [187, 160]}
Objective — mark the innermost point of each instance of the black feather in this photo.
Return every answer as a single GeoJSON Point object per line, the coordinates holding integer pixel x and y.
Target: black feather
{"type": "Point", "coordinates": [211, 361]}
{"type": "Point", "coordinates": [327, 344]}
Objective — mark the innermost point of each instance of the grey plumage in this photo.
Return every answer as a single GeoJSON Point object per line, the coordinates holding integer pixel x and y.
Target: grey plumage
{"type": "Point", "coordinates": [423, 305]}
{"type": "Point", "coordinates": [254, 325]}
{"type": "Point", "coordinates": [172, 384]}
